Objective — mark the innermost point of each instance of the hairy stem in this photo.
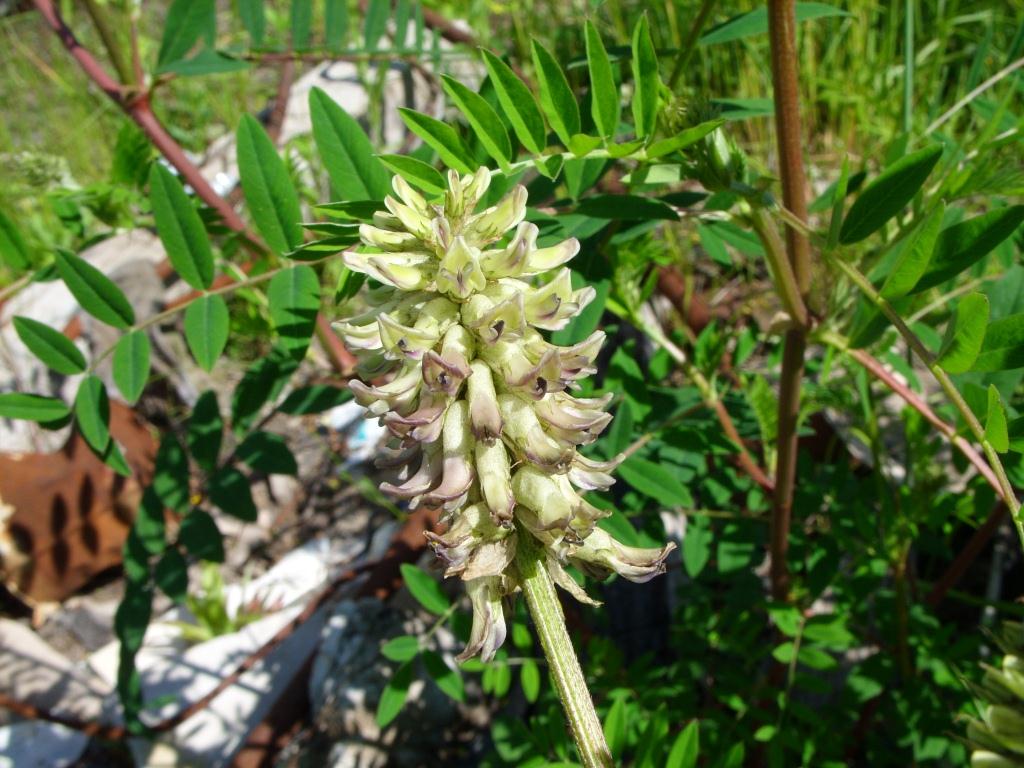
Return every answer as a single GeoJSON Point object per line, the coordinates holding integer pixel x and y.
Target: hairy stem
{"type": "Point", "coordinates": [562, 663]}
{"type": "Point", "coordinates": [947, 385]}
{"type": "Point", "coordinates": [782, 39]}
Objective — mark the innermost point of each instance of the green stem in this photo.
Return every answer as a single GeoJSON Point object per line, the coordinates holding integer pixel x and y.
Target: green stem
{"type": "Point", "coordinates": [689, 47]}
{"type": "Point", "coordinates": [908, 65]}
{"type": "Point", "coordinates": [779, 265]}
{"type": "Point", "coordinates": [159, 317]}
{"type": "Point", "coordinates": [565, 668]}
{"type": "Point", "coordinates": [109, 38]}
{"type": "Point", "coordinates": [950, 390]}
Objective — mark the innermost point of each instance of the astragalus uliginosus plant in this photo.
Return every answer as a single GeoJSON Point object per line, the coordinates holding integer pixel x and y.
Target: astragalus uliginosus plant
{"type": "Point", "coordinates": [478, 403]}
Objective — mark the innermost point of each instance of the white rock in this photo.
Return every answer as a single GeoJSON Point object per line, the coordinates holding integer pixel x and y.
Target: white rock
{"type": "Point", "coordinates": [36, 744]}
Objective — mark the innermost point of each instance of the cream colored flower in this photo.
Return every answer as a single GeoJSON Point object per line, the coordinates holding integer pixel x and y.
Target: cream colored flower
{"type": "Point", "coordinates": [478, 403]}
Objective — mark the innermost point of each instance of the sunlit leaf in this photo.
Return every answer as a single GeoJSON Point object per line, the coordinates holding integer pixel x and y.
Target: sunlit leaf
{"type": "Point", "coordinates": [440, 137]}
{"type": "Point", "coordinates": [131, 364]}
{"type": "Point", "coordinates": [97, 294]}
{"type": "Point", "coordinates": [269, 192]}
{"type": "Point", "coordinates": [206, 329]}
{"type": "Point", "coordinates": [518, 103]}
{"type": "Point", "coordinates": [92, 413]}
{"type": "Point", "coordinates": [646, 82]}
{"type": "Point", "coordinates": [604, 93]}
{"type": "Point", "coordinates": [482, 118]}
{"type": "Point", "coordinates": [962, 245]}
{"type": "Point", "coordinates": [50, 345]}
{"type": "Point", "coordinates": [556, 97]}
{"type": "Point", "coordinates": [355, 172]}
{"type": "Point", "coordinates": [887, 195]}
{"type": "Point", "coordinates": [425, 589]}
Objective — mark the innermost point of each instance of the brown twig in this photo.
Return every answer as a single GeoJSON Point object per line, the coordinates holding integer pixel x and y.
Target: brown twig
{"type": "Point", "coordinates": [139, 109]}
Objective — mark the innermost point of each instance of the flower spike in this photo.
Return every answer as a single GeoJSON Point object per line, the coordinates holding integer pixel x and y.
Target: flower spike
{"type": "Point", "coordinates": [478, 401]}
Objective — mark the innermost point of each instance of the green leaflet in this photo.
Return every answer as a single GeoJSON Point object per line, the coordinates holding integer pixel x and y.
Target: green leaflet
{"type": "Point", "coordinates": [254, 18]}
{"type": "Point", "coordinates": [267, 453]}
{"type": "Point", "coordinates": [683, 139]}
{"type": "Point", "coordinates": [92, 413]}
{"type": "Point", "coordinates": [416, 172]}
{"type": "Point", "coordinates": [425, 589]}
{"type": "Point", "coordinates": [171, 575]}
{"type": "Point", "coordinates": [294, 296]}
{"type": "Point", "coordinates": [482, 118]}
{"type": "Point", "coordinates": [965, 334]}
{"type": "Point", "coordinates": [269, 191]}
{"type": "Point", "coordinates": [356, 173]}
{"type": "Point", "coordinates": [756, 22]}
{"type": "Point", "coordinates": [646, 81]}
{"type": "Point", "coordinates": [915, 257]}
{"type": "Point", "coordinates": [393, 696]}
{"type": "Point", "coordinates": [440, 137]}
{"type": "Point", "coordinates": [1003, 348]}
{"type": "Point", "coordinates": [886, 196]}
{"type": "Point", "coordinates": [50, 345]}
{"type": "Point", "coordinates": [604, 93]}
{"type": "Point", "coordinates": [335, 23]}
{"type": "Point", "coordinates": [962, 245]}
{"type": "Point", "coordinates": [996, 432]}
{"type": "Point", "coordinates": [187, 21]}
{"type": "Point", "coordinates": [654, 480]}
{"type": "Point", "coordinates": [180, 228]}
{"type": "Point", "coordinates": [556, 97]}
{"type": "Point", "coordinates": [19, 405]}
{"type": "Point", "coordinates": [13, 250]}
{"type": "Point", "coordinates": [97, 294]}
{"type": "Point", "coordinates": [131, 364]}
{"type": "Point", "coordinates": [230, 492]}
{"type": "Point", "coordinates": [301, 21]}
{"type": "Point", "coordinates": [200, 536]}
{"type": "Point", "coordinates": [205, 431]}
{"type": "Point", "coordinates": [206, 329]}
{"type": "Point", "coordinates": [518, 103]}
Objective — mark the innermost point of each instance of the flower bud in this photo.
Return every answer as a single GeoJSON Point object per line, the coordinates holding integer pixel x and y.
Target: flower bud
{"type": "Point", "coordinates": [488, 632]}
{"type": "Point", "coordinates": [484, 413]}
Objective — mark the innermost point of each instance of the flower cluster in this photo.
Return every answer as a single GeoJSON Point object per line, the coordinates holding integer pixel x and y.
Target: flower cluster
{"type": "Point", "coordinates": [477, 402]}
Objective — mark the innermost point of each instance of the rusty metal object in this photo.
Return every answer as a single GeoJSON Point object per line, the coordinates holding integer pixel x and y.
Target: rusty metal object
{"type": "Point", "coordinates": [64, 516]}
